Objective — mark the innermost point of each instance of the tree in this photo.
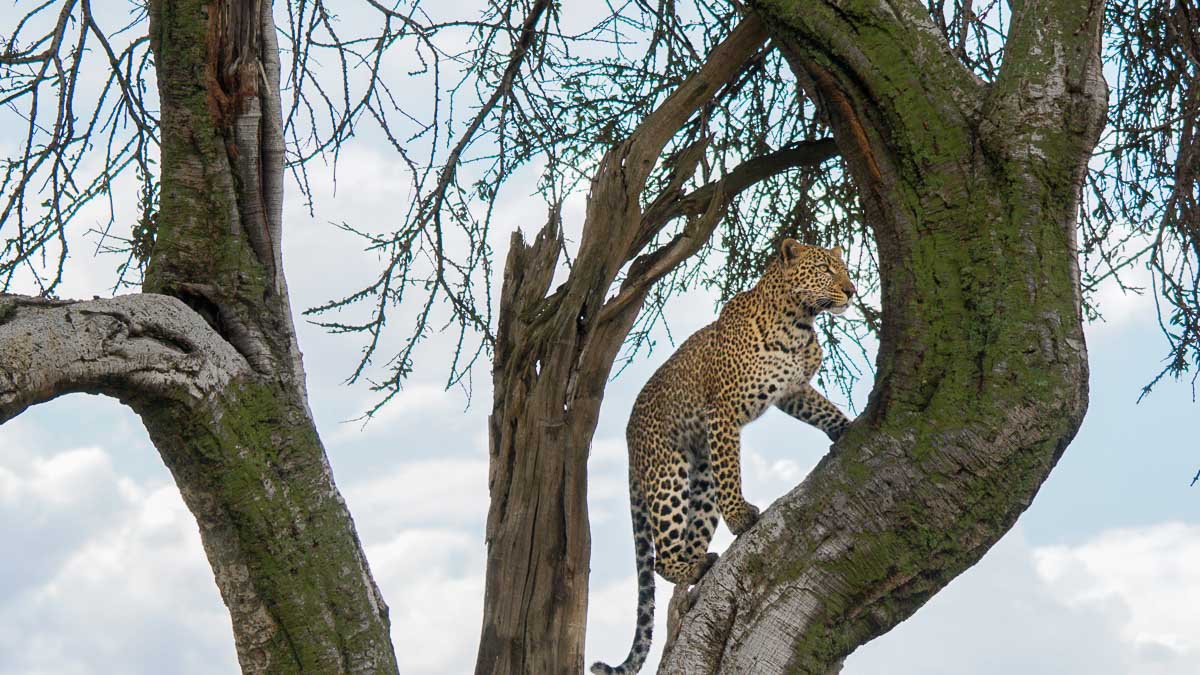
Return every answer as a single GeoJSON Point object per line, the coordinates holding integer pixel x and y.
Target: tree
{"type": "Point", "coordinates": [207, 355]}
{"type": "Point", "coordinates": [972, 193]}
{"type": "Point", "coordinates": [969, 168]}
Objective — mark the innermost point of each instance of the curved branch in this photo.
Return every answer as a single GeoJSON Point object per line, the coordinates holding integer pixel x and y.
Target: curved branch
{"type": "Point", "coordinates": [889, 51]}
{"type": "Point", "coordinates": [741, 177]}
{"type": "Point", "coordinates": [706, 204]}
{"type": "Point", "coordinates": [129, 347]}
{"type": "Point", "coordinates": [982, 368]}
{"type": "Point", "coordinates": [649, 268]}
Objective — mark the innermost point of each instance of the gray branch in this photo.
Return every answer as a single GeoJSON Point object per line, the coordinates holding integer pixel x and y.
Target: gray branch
{"type": "Point", "coordinates": [129, 347]}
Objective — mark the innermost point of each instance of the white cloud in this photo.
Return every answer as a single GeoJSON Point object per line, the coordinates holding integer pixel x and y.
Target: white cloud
{"type": "Point", "coordinates": [1123, 603]}
{"type": "Point", "coordinates": [1121, 308]}
{"type": "Point", "coordinates": [608, 451]}
{"type": "Point", "coordinates": [433, 493]}
{"type": "Point", "coordinates": [102, 549]}
{"type": "Point", "coordinates": [415, 400]}
{"type": "Point", "coordinates": [772, 477]}
{"type": "Point", "coordinates": [1147, 578]}
{"type": "Point", "coordinates": [69, 478]}
{"type": "Point", "coordinates": [49, 504]}
{"type": "Point", "coordinates": [433, 582]}
{"type": "Point", "coordinates": [608, 483]}
{"type": "Point", "coordinates": [612, 615]}
{"type": "Point", "coordinates": [110, 575]}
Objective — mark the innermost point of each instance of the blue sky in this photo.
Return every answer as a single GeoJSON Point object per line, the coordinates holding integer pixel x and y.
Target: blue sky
{"type": "Point", "coordinates": [104, 571]}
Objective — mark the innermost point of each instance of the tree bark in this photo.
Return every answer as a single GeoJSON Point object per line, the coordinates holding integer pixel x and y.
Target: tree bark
{"type": "Point", "coordinates": [249, 462]}
{"type": "Point", "coordinates": [130, 347]}
{"type": "Point", "coordinates": [972, 192]}
{"type": "Point", "coordinates": [208, 357]}
{"type": "Point", "coordinates": [553, 358]}
{"type": "Point", "coordinates": [982, 376]}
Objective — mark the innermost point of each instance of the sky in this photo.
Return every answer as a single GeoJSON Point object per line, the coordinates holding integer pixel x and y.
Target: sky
{"type": "Point", "coordinates": [103, 569]}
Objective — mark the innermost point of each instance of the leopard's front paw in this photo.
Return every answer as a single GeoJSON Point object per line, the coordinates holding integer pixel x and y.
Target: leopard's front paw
{"type": "Point", "coordinates": [744, 519]}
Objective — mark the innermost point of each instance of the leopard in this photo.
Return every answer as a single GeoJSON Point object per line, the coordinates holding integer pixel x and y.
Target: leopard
{"type": "Point", "coordinates": [683, 434]}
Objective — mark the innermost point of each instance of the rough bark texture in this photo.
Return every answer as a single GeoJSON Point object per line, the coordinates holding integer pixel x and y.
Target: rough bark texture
{"type": "Point", "coordinates": [981, 382]}
{"type": "Point", "coordinates": [131, 347]}
{"type": "Point", "coordinates": [249, 462]}
{"type": "Point", "coordinates": [553, 358]}
{"type": "Point", "coordinates": [208, 356]}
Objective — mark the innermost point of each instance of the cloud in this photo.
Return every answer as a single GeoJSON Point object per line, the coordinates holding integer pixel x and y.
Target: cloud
{"type": "Point", "coordinates": [129, 589]}
{"type": "Point", "coordinates": [422, 494]}
{"type": "Point", "coordinates": [1122, 603]}
{"type": "Point", "coordinates": [433, 582]}
{"type": "Point", "coordinates": [109, 576]}
{"type": "Point", "coordinates": [48, 504]}
{"type": "Point", "coordinates": [415, 400]}
{"type": "Point", "coordinates": [608, 451]}
{"type": "Point", "coordinates": [612, 615]}
{"type": "Point", "coordinates": [1147, 579]}
{"type": "Point", "coordinates": [773, 476]}
{"type": "Point", "coordinates": [1122, 308]}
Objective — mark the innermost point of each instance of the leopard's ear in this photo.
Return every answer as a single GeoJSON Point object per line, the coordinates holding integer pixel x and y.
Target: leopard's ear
{"type": "Point", "coordinates": [837, 250]}
{"type": "Point", "coordinates": [789, 250]}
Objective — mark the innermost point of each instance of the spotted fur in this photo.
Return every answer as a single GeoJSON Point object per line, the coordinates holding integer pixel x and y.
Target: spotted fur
{"type": "Point", "coordinates": [683, 434]}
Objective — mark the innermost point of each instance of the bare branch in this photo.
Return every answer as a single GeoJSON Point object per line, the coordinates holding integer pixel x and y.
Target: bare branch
{"type": "Point", "coordinates": [649, 268]}
{"type": "Point", "coordinates": [130, 347]}
{"type": "Point", "coordinates": [743, 176]}
{"type": "Point", "coordinates": [524, 42]}
{"type": "Point", "coordinates": [423, 235]}
{"type": "Point", "coordinates": [53, 175]}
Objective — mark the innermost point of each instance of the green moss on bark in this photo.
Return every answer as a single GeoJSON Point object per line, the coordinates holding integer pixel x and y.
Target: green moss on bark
{"type": "Point", "coordinates": [254, 460]}
{"type": "Point", "coordinates": [249, 463]}
{"type": "Point", "coordinates": [199, 238]}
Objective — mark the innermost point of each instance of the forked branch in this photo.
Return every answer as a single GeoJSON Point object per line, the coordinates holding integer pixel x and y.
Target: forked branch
{"type": "Point", "coordinates": [706, 206]}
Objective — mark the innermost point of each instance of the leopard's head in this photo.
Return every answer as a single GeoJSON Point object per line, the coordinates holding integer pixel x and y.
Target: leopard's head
{"type": "Point", "coordinates": [817, 275]}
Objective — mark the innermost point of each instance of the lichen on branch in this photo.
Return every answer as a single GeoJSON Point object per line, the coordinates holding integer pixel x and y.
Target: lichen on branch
{"type": "Point", "coordinates": [142, 346]}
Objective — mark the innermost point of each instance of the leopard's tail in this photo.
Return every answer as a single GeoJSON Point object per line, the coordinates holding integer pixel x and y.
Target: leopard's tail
{"type": "Point", "coordinates": [644, 552]}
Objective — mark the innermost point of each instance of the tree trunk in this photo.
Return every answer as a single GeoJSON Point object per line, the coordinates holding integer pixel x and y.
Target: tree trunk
{"type": "Point", "coordinates": [208, 356]}
{"type": "Point", "coordinates": [249, 463]}
{"type": "Point", "coordinates": [972, 191]}
{"type": "Point", "coordinates": [553, 358]}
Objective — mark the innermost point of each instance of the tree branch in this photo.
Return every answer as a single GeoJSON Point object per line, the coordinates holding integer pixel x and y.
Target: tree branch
{"type": "Point", "coordinates": [651, 267]}
{"type": "Point", "coordinates": [132, 346]}
{"type": "Point", "coordinates": [614, 215]}
{"type": "Point", "coordinates": [890, 49]}
{"type": "Point", "coordinates": [708, 204]}
{"type": "Point", "coordinates": [727, 58]}
{"type": "Point", "coordinates": [1051, 76]}
{"type": "Point", "coordinates": [982, 368]}
{"type": "Point", "coordinates": [669, 206]}
{"type": "Point", "coordinates": [553, 359]}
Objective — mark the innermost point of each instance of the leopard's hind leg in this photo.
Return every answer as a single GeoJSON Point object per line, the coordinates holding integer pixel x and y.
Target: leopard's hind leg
{"type": "Point", "coordinates": [668, 497]}
{"type": "Point", "coordinates": [702, 506]}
